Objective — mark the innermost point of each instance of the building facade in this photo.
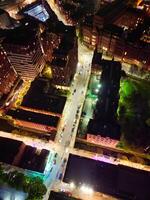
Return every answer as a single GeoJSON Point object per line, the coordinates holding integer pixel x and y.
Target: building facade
{"type": "Point", "coordinates": [113, 39]}
{"type": "Point", "coordinates": [25, 54]}
{"type": "Point", "coordinates": [64, 62]}
{"type": "Point", "coordinates": [8, 75]}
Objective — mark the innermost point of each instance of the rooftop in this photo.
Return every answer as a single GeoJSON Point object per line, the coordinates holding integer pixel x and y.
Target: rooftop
{"type": "Point", "coordinates": [58, 62]}
{"type": "Point", "coordinates": [38, 10]}
{"type": "Point", "coordinates": [34, 159]}
{"type": "Point", "coordinates": [34, 117]}
{"type": "Point", "coordinates": [21, 34]}
{"type": "Point", "coordinates": [108, 178]}
{"type": "Point", "coordinates": [42, 96]}
{"type": "Point", "coordinates": [117, 5]}
{"type": "Point", "coordinates": [7, 155]}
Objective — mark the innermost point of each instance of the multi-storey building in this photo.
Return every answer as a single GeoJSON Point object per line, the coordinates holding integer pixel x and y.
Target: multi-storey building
{"type": "Point", "coordinates": [125, 38]}
{"type": "Point", "coordinates": [108, 13]}
{"type": "Point", "coordinates": [64, 61]}
{"type": "Point", "coordinates": [6, 22]}
{"type": "Point", "coordinates": [8, 75]}
{"type": "Point", "coordinates": [23, 49]}
{"type": "Point", "coordinates": [50, 41]}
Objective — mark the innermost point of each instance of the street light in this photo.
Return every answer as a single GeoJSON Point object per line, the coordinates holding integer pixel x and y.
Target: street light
{"type": "Point", "coordinates": [99, 85]}
{"type": "Point", "coordinates": [90, 191]}
{"type": "Point", "coordinates": [79, 64]}
{"type": "Point", "coordinates": [66, 150]}
{"type": "Point", "coordinates": [86, 189]}
{"type": "Point", "coordinates": [72, 185]}
{"type": "Point", "coordinates": [96, 99]}
{"type": "Point", "coordinates": [96, 90]}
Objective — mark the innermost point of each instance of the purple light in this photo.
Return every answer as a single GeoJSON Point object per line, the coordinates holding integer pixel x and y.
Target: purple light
{"type": "Point", "coordinates": [104, 159]}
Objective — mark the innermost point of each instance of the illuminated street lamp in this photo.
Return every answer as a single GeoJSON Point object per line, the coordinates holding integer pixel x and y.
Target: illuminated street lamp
{"type": "Point", "coordinates": [79, 64]}
{"type": "Point", "coordinates": [99, 85]}
{"type": "Point", "coordinates": [86, 189]}
{"type": "Point", "coordinates": [96, 90]}
{"type": "Point", "coordinates": [72, 185]}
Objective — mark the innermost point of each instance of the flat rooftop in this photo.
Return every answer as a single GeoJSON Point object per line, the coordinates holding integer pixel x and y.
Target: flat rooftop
{"type": "Point", "coordinates": [108, 178]}
{"type": "Point", "coordinates": [34, 159]}
{"type": "Point", "coordinates": [105, 129]}
{"type": "Point", "coordinates": [58, 62]}
{"type": "Point", "coordinates": [31, 157]}
{"type": "Point", "coordinates": [117, 5]}
{"type": "Point", "coordinates": [34, 117]}
{"type": "Point", "coordinates": [20, 35]}
{"type": "Point", "coordinates": [37, 98]}
{"type": "Point", "coordinates": [5, 126]}
{"type": "Point", "coordinates": [8, 149]}
{"type": "Point", "coordinates": [125, 19]}
{"type": "Point", "coordinates": [60, 196]}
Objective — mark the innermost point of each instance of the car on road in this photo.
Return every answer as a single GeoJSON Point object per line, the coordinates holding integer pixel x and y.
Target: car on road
{"type": "Point", "coordinates": [147, 149]}
{"type": "Point", "coordinates": [59, 140]}
{"type": "Point", "coordinates": [51, 169]}
{"type": "Point", "coordinates": [60, 176]}
{"type": "Point", "coordinates": [65, 160]}
{"type": "Point", "coordinates": [56, 154]}
{"type": "Point", "coordinates": [54, 162]}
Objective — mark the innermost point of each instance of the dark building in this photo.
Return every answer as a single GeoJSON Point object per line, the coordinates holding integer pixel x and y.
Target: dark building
{"type": "Point", "coordinates": [10, 82]}
{"type": "Point", "coordinates": [50, 41]}
{"type": "Point", "coordinates": [47, 100]}
{"type": "Point", "coordinates": [125, 37]}
{"type": "Point", "coordinates": [104, 121]}
{"type": "Point", "coordinates": [108, 13]}
{"type": "Point", "coordinates": [34, 121]}
{"type": "Point", "coordinates": [61, 196]}
{"type": "Point", "coordinates": [64, 61]}
{"type": "Point", "coordinates": [8, 75]}
{"type": "Point", "coordinates": [6, 22]}
{"type": "Point", "coordinates": [24, 156]}
{"type": "Point", "coordinates": [122, 182]}
{"type": "Point", "coordinates": [23, 49]}
{"type": "Point", "coordinates": [96, 61]}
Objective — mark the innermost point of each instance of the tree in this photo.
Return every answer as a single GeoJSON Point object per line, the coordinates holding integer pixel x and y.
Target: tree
{"type": "Point", "coordinates": [37, 189]}
{"type": "Point", "coordinates": [34, 187]}
{"type": "Point", "coordinates": [132, 114]}
{"type": "Point", "coordinates": [148, 122]}
{"type": "Point", "coordinates": [1, 170]}
{"type": "Point", "coordinates": [47, 72]}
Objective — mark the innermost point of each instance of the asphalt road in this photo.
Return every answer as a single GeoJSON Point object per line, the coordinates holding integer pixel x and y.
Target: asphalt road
{"type": "Point", "coordinates": [66, 133]}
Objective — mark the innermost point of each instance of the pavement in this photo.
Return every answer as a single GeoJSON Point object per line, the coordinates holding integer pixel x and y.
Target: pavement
{"type": "Point", "coordinates": [67, 130]}
{"type": "Point", "coordinates": [65, 137]}
{"type": "Point", "coordinates": [78, 193]}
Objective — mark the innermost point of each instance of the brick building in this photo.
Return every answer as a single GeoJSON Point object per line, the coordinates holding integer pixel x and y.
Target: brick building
{"type": "Point", "coordinates": [50, 41]}
{"type": "Point", "coordinates": [64, 61]}
{"type": "Point", "coordinates": [125, 37]}
{"type": "Point", "coordinates": [8, 75]}
{"type": "Point", "coordinates": [24, 51]}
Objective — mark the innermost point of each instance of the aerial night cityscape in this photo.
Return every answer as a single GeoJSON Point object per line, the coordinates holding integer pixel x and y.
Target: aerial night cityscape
{"type": "Point", "coordinates": [74, 99]}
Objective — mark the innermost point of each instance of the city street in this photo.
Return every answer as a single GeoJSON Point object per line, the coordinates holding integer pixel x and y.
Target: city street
{"type": "Point", "coordinates": [78, 193]}
{"type": "Point", "coordinates": [68, 127]}
{"type": "Point", "coordinates": [66, 133]}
